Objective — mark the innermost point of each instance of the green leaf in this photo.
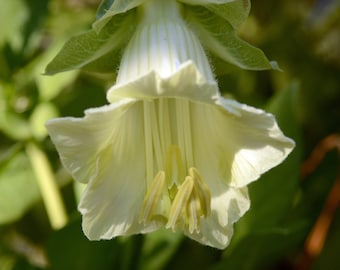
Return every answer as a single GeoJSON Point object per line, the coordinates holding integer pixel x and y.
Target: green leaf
{"type": "Point", "coordinates": [234, 12]}
{"type": "Point", "coordinates": [206, 2]}
{"type": "Point", "coordinates": [18, 188]}
{"type": "Point", "coordinates": [94, 51]}
{"type": "Point", "coordinates": [109, 8]}
{"type": "Point", "coordinates": [50, 86]}
{"type": "Point", "coordinates": [13, 16]}
{"type": "Point", "coordinates": [103, 8]}
{"type": "Point", "coordinates": [316, 187]}
{"type": "Point", "coordinates": [260, 249]}
{"type": "Point", "coordinates": [284, 105]}
{"type": "Point", "coordinates": [219, 36]}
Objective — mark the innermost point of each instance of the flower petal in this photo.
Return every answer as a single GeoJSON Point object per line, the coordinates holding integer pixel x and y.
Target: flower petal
{"type": "Point", "coordinates": [244, 142]}
{"type": "Point", "coordinates": [112, 201]}
{"type": "Point", "coordinates": [104, 149]}
{"type": "Point", "coordinates": [186, 82]}
{"type": "Point", "coordinates": [79, 140]}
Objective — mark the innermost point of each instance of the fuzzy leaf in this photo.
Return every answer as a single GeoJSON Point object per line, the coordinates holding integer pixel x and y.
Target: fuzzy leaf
{"type": "Point", "coordinates": [219, 36]}
{"type": "Point", "coordinates": [103, 8]}
{"type": "Point", "coordinates": [234, 12]}
{"type": "Point", "coordinates": [109, 8]}
{"type": "Point", "coordinates": [92, 51]}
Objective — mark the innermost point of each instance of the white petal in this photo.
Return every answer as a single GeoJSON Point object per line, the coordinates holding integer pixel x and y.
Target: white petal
{"type": "Point", "coordinates": [106, 149]}
{"type": "Point", "coordinates": [187, 82]}
{"type": "Point", "coordinates": [112, 201]}
{"type": "Point", "coordinates": [243, 142]}
{"type": "Point", "coordinates": [79, 140]}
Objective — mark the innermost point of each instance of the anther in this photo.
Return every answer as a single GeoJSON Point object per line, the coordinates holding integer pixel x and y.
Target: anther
{"type": "Point", "coordinates": [152, 197]}
{"type": "Point", "coordinates": [180, 202]}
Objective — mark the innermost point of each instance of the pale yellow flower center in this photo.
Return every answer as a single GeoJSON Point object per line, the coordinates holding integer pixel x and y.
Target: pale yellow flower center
{"type": "Point", "coordinates": [176, 192]}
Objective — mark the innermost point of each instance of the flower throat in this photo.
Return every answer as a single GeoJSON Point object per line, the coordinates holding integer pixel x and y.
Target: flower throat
{"type": "Point", "coordinates": [176, 192]}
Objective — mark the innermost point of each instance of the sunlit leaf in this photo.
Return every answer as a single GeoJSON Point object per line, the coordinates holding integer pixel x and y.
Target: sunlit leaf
{"type": "Point", "coordinates": [109, 8]}
{"type": "Point", "coordinates": [94, 51]}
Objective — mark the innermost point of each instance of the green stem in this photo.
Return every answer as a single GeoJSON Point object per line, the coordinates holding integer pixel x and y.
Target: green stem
{"type": "Point", "coordinates": [49, 190]}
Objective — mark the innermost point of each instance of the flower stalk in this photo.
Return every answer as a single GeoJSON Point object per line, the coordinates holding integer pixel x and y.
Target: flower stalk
{"type": "Point", "coordinates": [48, 188]}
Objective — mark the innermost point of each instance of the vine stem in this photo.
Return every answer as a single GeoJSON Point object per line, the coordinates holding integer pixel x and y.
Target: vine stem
{"type": "Point", "coordinates": [47, 184]}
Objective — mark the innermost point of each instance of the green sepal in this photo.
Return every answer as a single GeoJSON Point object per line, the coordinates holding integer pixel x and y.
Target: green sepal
{"type": "Point", "coordinates": [235, 12]}
{"type": "Point", "coordinates": [219, 37]}
{"type": "Point", "coordinates": [109, 8]}
{"type": "Point", "coordinates": [104, 6]}
{"type": "Point", "coordinates": [95, 51]}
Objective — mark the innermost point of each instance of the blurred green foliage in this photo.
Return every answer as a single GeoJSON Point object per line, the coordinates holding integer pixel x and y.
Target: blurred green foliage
{"type": "Point", "coordinates": [302, 36]}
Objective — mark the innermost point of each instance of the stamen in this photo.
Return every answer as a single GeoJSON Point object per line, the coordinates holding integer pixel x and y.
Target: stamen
{"type": "Point", "coordinates": [180, 202]}
{"type": "Point", "coordinates": [203, 191]}
{"type": "Point", "coordinates": [194, 212]}
{"type": "Point", "coordinates": [152, 197]}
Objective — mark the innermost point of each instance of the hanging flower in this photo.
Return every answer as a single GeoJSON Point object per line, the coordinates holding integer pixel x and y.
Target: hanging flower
{"type": "Point", "coordinates": [168, 150]}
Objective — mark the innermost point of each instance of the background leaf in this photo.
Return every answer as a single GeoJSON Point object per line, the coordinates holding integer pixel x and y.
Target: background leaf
{"type": "Point", "coordinates": [272, 196]}
{"type": "Point", "coordinates": [69, 249]}
{"type": "Point", "coordinates": [18, 188]}
{"type": "Point", "coordinates": [258, 250]}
